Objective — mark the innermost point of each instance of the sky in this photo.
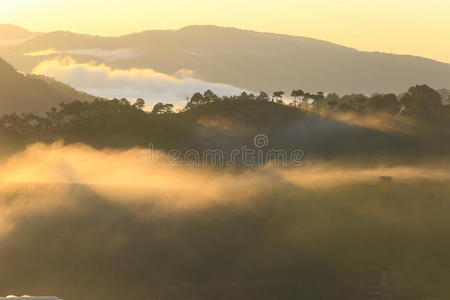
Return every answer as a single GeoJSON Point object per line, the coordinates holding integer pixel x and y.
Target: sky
{"type": "Point", "coordinates": [417, 27]}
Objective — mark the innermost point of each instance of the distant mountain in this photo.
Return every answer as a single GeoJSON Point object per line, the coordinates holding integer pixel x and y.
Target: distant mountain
{"type": "Point", "coordinates": [11, 34]}
{"type": "Point", "coordinates": [30, 93]}
{"type": "Point", "coordinates": [246, 59]}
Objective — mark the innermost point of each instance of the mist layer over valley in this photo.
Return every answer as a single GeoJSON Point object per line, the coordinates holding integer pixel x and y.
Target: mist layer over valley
{"type": "Point", "coordinates": [99, 224]}
{"type": "Point", "coordinates": [154, 166]}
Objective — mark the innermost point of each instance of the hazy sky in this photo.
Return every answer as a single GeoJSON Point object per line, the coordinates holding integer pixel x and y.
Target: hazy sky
{"type": "Point", "coordinates": [419, 27]}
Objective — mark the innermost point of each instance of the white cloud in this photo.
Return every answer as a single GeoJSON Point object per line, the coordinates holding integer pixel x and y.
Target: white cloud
{"type": "Point", "coordinates": [107, 55]}
{"type": "Point", "coordinates": [46, 52]}
{"type": "Point", "coordinates": [102, 80]}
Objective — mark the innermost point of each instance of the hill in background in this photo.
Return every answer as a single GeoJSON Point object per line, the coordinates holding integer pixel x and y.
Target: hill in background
{"type": "Point", "coordinates": [11, 35]}
{"type": "Point", "coordinates": [246, 59]}
{"type": "Point", "coordinates": [31, 93]}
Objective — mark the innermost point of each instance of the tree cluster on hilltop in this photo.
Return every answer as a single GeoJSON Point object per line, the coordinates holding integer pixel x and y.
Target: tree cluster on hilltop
{"type": "Point", "coordinates": [420, 102]}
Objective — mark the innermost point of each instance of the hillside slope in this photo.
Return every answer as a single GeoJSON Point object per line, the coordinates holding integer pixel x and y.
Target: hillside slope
{"type": "Point", "coordinates": [30, 93]}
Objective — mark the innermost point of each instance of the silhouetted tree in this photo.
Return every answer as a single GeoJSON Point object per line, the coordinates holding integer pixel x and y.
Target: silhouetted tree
{"type": "Point", "coordinates": [262, 97]}
{"type": "Point", "coordinates": [52, 115]}
{"type": "Point", "coordinates": [318, 100]}
{"type": "Point", "coordinates": [384, 103]}
{"type": "Point", "coordinates": [124, 101]}
{"type": "Point", "coordinates": [209, 96]}
{"type": "Point", "coordinates": [278, 95]}
{"type": "Point", "coordinates": [421, 101]}
{"type": "Point", "coordinates": [243, 96]}
{"type": "Point", "coordinates": [306, 97]}
{"type": "Point", "coordinates": [196, 100]}
{"type": "Point", "coordinates": [161, 108]}
{"type": "Point", "coordinates": [297, 94]}
{"type": "Point", "coordinates": [139, 104]}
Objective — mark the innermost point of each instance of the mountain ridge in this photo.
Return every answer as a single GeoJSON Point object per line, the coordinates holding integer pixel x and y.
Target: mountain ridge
{"type": "Point", "coordinates": [219, 28]}
{"type": "Point", "coordinates": [247, 59]}
{"type": "Point", "coordinates": [12, 34]}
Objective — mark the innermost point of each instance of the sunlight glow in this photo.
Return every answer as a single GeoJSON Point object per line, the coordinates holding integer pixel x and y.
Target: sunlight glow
{"type": "Point", "coordinates": [388, 26]}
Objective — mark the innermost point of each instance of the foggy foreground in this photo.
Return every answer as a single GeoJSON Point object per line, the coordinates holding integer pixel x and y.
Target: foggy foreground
{"type": "Point", "coordinates": [88, 224]}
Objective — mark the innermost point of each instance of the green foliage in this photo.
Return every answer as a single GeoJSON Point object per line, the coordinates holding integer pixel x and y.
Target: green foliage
{"type": "Point", "coordinates": [140, 103]}
{"type": "Point", "coordinates": [384, 104]}
{"type": "Point", "coordinates": [117, 123]}
{"type": "Point", "coordinates": [422, 101]}
{"type": "Point", "coordinates": [161, 108]}
{"type": "Point", "coordinates": [297, 93]}
{"type": "Point", "coordinates": [361, 104]}
{"type": "Point", "coordinates": [209, 97]}
{"type": "Point", "coordinates": [199, 99]}
{"type": "Point", "coordinates": [263, 97]}
{"type": "Point", "coordinates": [278, 95]}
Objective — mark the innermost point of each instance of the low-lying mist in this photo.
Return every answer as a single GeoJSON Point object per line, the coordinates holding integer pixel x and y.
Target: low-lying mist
{"type": "Point", "coordinates": [84, 224]}
{"type": "Point", "coordinates": [104, 81]}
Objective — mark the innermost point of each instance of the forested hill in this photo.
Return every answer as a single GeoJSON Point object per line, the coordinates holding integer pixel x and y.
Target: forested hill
{"type": "Point", "coordinates": [21, 93]}
{"type": "Point", "coordinates": [225, 124]}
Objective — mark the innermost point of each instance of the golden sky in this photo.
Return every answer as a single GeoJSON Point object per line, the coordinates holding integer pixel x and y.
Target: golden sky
{"type": "Point", "coordinates": [418, 27]}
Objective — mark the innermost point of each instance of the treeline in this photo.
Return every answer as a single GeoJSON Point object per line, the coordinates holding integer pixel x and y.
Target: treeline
{"type": "Point", "coordinates": [116, 123]}
{"type": "Point", "coordinates": [67, 113]}
{"type": "Point", "coordinates": [120, 115]}
{"type": "Point", "coordinates": [206, 121]}
{"type": "Point", "coordinates": [418, 102]}
{"type": "Point", "coordinates": [119, 123]}
{"type": "Point", "coordinates": [209, 97]}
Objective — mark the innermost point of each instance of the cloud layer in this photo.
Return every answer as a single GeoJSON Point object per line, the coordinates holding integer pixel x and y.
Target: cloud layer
{"type": "Point", "coordinates": [102, 80]}
{"type": "Point", "coordinates": [107, 55]}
